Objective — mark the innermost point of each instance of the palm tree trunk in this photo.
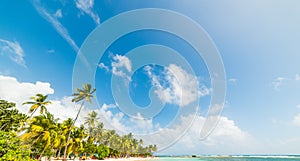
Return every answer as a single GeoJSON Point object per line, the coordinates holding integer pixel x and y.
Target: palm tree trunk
{"type": "Point", "coordinates": [58, 155]}
{"type": "Point", "coordinates": [32, 114]}
{"type": "Point", "coordinates": [3, 126]}
{"type": "Point", "coordinates": [35, 140]}
{"type": "Point", "coordinates": [65, 152]}
{"type": "Point", "coordinates": [40, 158]}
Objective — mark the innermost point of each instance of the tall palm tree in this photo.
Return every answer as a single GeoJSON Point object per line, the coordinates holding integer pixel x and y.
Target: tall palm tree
{"type": "Point", "coordinates": [39, 102]}
{"type": "Point", "coordinates": [81, 95]}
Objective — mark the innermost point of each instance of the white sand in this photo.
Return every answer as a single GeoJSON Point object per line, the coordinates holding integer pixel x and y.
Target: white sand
{"type": "Point", "coordinates": [129, 159]}
{"type": "Point", "coordinates": [117, 159]}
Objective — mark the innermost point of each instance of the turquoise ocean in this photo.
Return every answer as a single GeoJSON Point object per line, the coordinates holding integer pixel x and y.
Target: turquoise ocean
{"type": "Point", "coordinates": [239, 158]}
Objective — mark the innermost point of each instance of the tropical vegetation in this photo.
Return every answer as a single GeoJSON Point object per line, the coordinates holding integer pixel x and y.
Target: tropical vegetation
{"type": "Point", "coordinates": [31, 137]}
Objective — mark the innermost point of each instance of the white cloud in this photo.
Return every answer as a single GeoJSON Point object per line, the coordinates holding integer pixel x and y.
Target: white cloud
{"type": "Point", "coordinates": [50, 51]}
{"type": "Point", "coordinates": [56, 24]}
{"type": "Point", "coordinates": [60, 29]}
{"type": "Point", "coordinates": [58, 13]}
{"type": "Point", "coordinates": [297, 77]}
{"type": "Point", "coordinates": [278, 82]}
{"type": "Point", "coordinates": [296, 120]}
{"type": "Point", "coordinates": [232, 80]}
{"type": "Point", "coordinates": [111, 120]}
{"type": "Point", "coordinates": [183, 87]}
{"type": "Point", "coordinates": [103, 66]}
{"type": "Point", "coordinates": [86, 6]}
{"type": "Point", "coordinates": [13, 90]}
{"type": "Point", "coordinates": [142, 125]}
{"type": "Point", "coordinates": [18, 92]}
{"type": "Point", "coordinates": [121, 66]}
{"type": "Point", "coordinates": [117, 120]}
{"type": "Point", "coordinates": [13, 50]}
{"type": "Point", "coordinates": [298, 106]}
{"type": "Point", "coordinates": [227, 138]}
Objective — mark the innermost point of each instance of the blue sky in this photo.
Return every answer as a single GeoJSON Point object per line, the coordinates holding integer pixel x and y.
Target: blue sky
{"type": "Point", "coordinates": [257, 41]}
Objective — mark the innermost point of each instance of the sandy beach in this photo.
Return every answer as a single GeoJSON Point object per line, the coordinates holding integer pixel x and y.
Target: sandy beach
{"type": "Point", "coordinates": [130, 159]}
{"type": "Point", "coordinates": [115, 159]}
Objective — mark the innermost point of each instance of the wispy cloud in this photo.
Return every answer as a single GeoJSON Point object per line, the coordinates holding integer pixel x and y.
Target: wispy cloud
{"type": "Point", "coordinates": [86, 6]}
{"type": "Point", "coordinates": [278, 82]}
{"type": "Point", "coordinates": [55, 23]}
{"type": "Point", "coordinates": [103, 66]}
{"type": "Point", "coordinates": [297, 77]}
{"type": "Point", "coordinates": [58, 13]}
{"type": "Point", "coordinates": [232, 80]}
{"type": "Point", "coordinates": [296, 120]}
{"type": "Point", "coordinates": [13, 50]}
{"type": "Point", "coordinates": [50, 51]}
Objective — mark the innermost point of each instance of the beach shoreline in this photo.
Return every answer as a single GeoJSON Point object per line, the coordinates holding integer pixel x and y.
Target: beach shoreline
{"type": "Point", "coordinates": [114, 159]}
{"type": "Point", "coordinates": [130, 159]}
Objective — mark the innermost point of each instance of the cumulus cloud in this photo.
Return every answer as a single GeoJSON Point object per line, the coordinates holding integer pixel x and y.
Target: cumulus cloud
{"type": "Point", "coordinates": [18, 92]}
{"type": "Point", "coordinates": [226, 138]}
{"type": "Point", "coordinates": [183, 87]}
{"type": "Point", "coordinates": [121, 66]}
{"type": "Point", "coordinates": [86, 6]}
{"type": "Point", "coordinates": [142, 125]}
{"type": "Point", "coordinates": [13, 50]}
{"type": "Point", "coordinates": [111, 120]}
{"type": "Point", "coordinates": [123, 124]}
{"type": "Point", "coordinates": [13, 90]}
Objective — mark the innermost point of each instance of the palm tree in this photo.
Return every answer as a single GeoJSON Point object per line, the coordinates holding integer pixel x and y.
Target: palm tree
{"type": "Point", "coordinates": [91, 120]}
{"type": "Point", "coordinates": [41, 133]}
{"type": "Point", "coordinates": [82, 95]}
{"type": "Point", "coordinates": [76, 141]}
{"type": "Point", "coordinates": [98, 133]}
{"type": "Point", "coordinates": [63, 131]}
{"type": "Point", "coordinates": [39, 102]}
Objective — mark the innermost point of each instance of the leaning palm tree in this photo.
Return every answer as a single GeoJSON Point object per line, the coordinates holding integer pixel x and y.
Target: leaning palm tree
{"type": "Point", "coordinates": [39, 102]}
{"type": "Point", "coordinates": [81, 95]}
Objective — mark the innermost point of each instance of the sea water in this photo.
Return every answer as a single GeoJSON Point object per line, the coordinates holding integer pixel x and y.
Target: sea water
{"type": "Point", "coordinates": [237, 158]}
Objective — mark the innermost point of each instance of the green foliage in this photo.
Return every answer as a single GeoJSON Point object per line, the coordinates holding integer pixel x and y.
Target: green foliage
{"type": "Point", "coordinates": [86, 93]}
{"type": "Point", "coordinates": [11, 148]}
{"type": "Point", "coordinates": [10, 118]}
{"type": "Point", "coordinates": [102, 151]}
{"type": "Point", "coordinates": [38, 102]}
{"type": "Point", "coordinates": [41, 133]}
